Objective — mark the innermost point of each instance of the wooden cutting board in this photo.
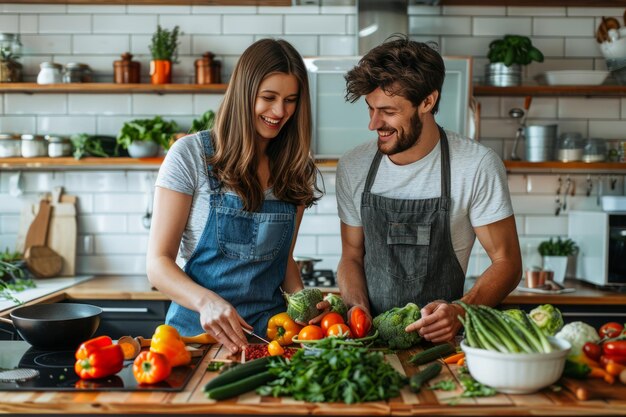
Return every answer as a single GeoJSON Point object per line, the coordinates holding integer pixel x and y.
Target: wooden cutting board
{"type": "Point", "coordinates": [62, 228]}
{"type": "Point", "coordinates": [42, 261]}
{"type": "Point", "coordinates": [591, 389]}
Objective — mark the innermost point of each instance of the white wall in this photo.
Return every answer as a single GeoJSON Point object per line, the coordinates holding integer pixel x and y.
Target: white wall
{"type": "Point", "coordinates": [111, 203]}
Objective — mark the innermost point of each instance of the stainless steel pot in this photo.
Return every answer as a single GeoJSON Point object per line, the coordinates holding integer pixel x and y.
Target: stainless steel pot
{"type": "Point", "coordinates": [306, 265]}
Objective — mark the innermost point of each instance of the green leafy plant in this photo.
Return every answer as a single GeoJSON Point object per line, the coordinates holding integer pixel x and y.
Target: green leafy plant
{"type": "Point", "coordinates": [156, 130]}
{"type": "Point", "coordinates": [557, 247]}
{"type": "Point", "coordinates": [87, 145]}
{"type": "Point", "coordinates": [513, 49]}
{"type": "Point", "coordinates": [165, 43]}
{"type": "Point", "coordinates": [205, 122]}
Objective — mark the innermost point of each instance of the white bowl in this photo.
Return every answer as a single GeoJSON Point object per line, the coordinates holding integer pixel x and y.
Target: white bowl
{"type": "Point", "coordinates": [517, 373]}
{"type": "Point", "coordinates": [575, 77]}
{"type": "Point", "coordinates": [614, 49]}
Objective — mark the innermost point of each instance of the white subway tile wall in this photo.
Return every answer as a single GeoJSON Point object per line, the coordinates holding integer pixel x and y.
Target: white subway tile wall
{"type": "Point", "coordinates": [112, 203]}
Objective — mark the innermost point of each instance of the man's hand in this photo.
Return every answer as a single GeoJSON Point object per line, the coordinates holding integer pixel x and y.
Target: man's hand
{"type": "Point", "coordinates": [439, 322]}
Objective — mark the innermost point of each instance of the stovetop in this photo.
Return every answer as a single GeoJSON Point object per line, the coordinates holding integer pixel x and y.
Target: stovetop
{"type": "Point", "coordinates": [56, 372]}
{"type": "Point", "coordinates": [320, 278]}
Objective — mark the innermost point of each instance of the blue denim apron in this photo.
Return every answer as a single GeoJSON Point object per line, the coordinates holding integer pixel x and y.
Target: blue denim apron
{"type": "Point", "coordinates": [409, 255]}
{"type": "Point", "coordinates": [241, 256]}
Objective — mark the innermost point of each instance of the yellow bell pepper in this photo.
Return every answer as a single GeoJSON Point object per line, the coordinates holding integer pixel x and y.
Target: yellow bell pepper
{"type": "Point", "coordinates": [167, 341]}
{"type": "Point", "coordinates": [282, 329]}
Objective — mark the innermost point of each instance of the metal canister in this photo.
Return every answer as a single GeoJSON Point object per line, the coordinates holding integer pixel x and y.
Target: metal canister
{"type": "Point", "coordinates": [126, 71]}
{"type": "Point", "coordinates": [204, 69]}
{"type": "Point", "coordinates": [75, 72]}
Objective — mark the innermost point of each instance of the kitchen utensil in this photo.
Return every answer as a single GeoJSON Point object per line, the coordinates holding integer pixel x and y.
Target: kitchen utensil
{"type": "Point", "coordinates": [520, 115]}
{"type": "Point", "coordinates": [306, 265]}
{"type": "Point", "coordinates": [57, 325]}
{"type": "Point", "coordinates": [540, 142]}
{"type": "Point", "coordinates": [251, 333]}
{"type": "Point", "coordinates": [41, 260]}
{"type": "Point", "coordinates": [18, 375]}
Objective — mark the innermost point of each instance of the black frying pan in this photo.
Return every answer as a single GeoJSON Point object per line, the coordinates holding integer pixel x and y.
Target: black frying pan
{"type": "Point", "coordinates": [56, 326]}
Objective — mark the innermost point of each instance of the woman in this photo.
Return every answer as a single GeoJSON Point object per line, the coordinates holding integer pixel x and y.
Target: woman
{"type": "Point", "coordinates": [228, 203]}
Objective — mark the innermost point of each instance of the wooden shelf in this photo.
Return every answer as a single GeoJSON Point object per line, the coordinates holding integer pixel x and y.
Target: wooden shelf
{"type": "Point", "coordinates": [536, 3]}
{"type": "Point", "coordinates": [573, 167]}
{"type": "Point", "coordinates": [172, 2]}
{"type": "Point", "coordinates": [84, 163]}
{"type": "Point", "coordinates": [111, 88]}
{"type": "Point", "coordinates": [551, 90]}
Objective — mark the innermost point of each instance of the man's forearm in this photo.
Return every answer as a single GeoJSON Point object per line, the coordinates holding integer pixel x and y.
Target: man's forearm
{"type": "Point", "coordinates": [351, 282]}
{"type": "Point", "coordinates": [494, 284]}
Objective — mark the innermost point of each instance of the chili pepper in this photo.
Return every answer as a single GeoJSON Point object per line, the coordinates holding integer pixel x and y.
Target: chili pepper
{"type": "Point", "coordinates": [282, 328]}
{"type": "Point", "coordinates": [617, 348]}
{"type": "Point", "coordinates": [151, 367]}
{"type": "Point", "coordinates": [167, 340]}
{"type": "Point", "coordinates": [275, 349]}
{"type": "Point", "coordinates": [360, 323]}
{"type": "Point", "coordinates": [98, 357]}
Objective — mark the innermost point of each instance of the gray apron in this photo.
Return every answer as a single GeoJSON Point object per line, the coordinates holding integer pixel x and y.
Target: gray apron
{"type": "Point", "coordinates": [408, 248]}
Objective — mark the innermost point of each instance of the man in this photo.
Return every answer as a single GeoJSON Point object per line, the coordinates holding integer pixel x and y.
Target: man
{"type": "Point", "coordinates": [412, 203]}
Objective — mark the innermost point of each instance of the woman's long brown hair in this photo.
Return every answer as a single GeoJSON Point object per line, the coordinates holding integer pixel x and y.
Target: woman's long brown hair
{"type": "Point", "coordinates": [293, 174]}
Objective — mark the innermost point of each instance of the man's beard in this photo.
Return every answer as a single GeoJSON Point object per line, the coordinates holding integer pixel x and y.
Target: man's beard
{"type": "Point", "coordinates": [405, 139]}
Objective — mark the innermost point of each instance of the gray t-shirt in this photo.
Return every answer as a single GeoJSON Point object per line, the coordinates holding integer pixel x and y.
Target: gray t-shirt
{"type": "Point", "coordinates": [184, 171]}
{"type": "Point", "coordinates": [479, 188]}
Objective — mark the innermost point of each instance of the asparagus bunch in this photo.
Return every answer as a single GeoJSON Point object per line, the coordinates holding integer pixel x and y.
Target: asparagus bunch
{"type": "Point", "coordinates": [491, 329]}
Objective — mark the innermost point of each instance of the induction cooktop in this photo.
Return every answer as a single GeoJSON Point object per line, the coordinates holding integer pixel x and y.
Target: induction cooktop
{"type": "Point", "coordinates": [56, 372]}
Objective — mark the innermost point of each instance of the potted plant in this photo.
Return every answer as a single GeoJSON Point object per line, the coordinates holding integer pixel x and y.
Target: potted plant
{"type": "Point", "coordinates": [506, 57]}
{"type": "Point", "coordinates": [555, 254]}
{"type": "Point", "coordinates": [10, 68]}
{"type": "Point", "coordinates": [143, 137]}
{"type": "Point", "coordinates": [164, 50]}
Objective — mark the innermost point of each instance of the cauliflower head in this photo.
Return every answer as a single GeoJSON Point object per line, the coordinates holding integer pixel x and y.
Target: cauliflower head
{"type": "Point", "coordinates": [391, 325]}
{"type": "Point", "coordinates": [548, 318]}
{"type": "Point", "coordinates": [578, 333]}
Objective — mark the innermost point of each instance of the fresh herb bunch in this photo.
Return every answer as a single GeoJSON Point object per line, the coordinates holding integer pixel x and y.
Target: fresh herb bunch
{"type": "Point", "coordinates": [164, 44]}
{"type": "Point", "coordinates": [557, 247]}
{"type": "Point", "coordinates": [513, 49]}
{"type": "Point", "coordinates": [87, 145]}
{"type": "Point", "coordinates": [205, 122]}
{"type": "Point", "coordinates": [12, 276]}
{"type": "Point", "coordinates": [156, 130]}
{"type": "Point", "coordinates": [333, 372]}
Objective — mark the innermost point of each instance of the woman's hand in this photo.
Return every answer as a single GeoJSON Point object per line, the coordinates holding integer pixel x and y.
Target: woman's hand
{"type": "Point", "coordinates": [221, 320]}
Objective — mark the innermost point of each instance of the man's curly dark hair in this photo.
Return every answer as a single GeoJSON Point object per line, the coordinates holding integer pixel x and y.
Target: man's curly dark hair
{"type": "Point", "coordinates": [398, 66]}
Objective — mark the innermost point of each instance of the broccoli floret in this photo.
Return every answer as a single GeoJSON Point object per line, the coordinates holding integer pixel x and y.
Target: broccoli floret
{"type": "Point", "coordinates": [516, 314]}
{"type": "Point", "coordinates": [302, 305]}
{"type": "Point", "coordinates": [336, 304]}
{"type": "Point", "coordinates": [391, 325]}
{"type": "Point", "coordinates": [548, 318]}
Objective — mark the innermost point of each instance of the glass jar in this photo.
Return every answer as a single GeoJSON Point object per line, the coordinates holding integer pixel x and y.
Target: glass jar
{"type": "Point", "coordinates": [58, 146]}
{"type": "Point", "coordinates": [10, 145]}
{"type": "Point", "coordinates": [50, 73]}
{"type": "Point", "coordinates": [570, 147]}
{"type": "Point", "coordinates": [595, 150]}
{"type": "Point", "coordinates": [10, 43]}
{"type": "Point", "coordinates": [33, 146]}
{"type": "Point", "coordinates": [76, 72]}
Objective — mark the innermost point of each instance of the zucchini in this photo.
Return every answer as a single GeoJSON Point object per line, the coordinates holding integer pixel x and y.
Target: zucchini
{"type": "Point", "coordinates": [431, 354]}
{"type": "Point", "coordinates": [239, 387]}
{"type": "Point", "coordinates": [239, 372]}
{"type": "Point", "coordinates": [420, 378]}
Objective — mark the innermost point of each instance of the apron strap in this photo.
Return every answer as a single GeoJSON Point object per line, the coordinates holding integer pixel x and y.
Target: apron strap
{"type": "Point", "coordinates": [371, 175]}
{"type": "Point", "coordinates": [207, 143]}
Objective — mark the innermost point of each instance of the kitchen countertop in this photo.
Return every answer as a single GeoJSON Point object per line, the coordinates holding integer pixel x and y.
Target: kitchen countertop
{"type": "Point", "coordinates": [193, 401]}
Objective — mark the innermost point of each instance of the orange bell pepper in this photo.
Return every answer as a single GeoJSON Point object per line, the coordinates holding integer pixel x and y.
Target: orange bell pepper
{"type": "Point", "coordinates": [167, 341]}
{"type": "Point", "coordinates": [282, 328]}
{"type": "Point", "coordinates": [275, 349]}
{"type": "Point", "coordinates": [97, 358]}
{"type": "Point", "coordinates": [151, 367]}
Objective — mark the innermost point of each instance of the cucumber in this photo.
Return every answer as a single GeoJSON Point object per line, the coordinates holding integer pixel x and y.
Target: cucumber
{"type": "Point", "coordinates": [239, 387]}
{"type": "Point", "coordinates": [420, 378]}
{"type": "Point", "coordinates": [239, 372]}
{"type": "Point", "coordinates": [431, 354]}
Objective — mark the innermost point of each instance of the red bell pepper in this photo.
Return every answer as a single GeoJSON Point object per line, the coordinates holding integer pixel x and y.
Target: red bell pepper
{"type": "Point", "coordinates": [360, 323]}
{"type": "Point", "coordinates": [97, 358]}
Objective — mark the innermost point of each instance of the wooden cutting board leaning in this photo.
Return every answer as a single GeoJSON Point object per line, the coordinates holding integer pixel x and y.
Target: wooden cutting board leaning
{"type": "Point", "coordinates": [61, 231]}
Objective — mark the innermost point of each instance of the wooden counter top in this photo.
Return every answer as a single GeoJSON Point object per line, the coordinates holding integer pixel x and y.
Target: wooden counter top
{"type": "Point", "coordinates": [116, 287]}
{"type": "Point", "coordinates": [193, 401]}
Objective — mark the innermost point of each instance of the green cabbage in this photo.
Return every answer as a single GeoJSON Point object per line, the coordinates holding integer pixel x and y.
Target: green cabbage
{"type": "Point", "coordinates": [548, 318]}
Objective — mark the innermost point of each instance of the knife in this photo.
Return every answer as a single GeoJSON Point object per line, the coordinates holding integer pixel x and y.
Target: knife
{"type": "Point", "coordinates": [251, 333]}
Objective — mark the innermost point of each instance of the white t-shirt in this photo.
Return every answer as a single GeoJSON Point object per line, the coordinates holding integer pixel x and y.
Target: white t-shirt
{"type": "Point", "coordinates": [478, 183]}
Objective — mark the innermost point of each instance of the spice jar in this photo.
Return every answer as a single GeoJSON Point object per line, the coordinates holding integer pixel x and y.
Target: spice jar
{"type": "Point", "coordinates": [594, 150]}
{"type": "Point", "coordinates": [50, 73]}
{"type": "Point", "coordinates": [10, 145]}
{"type": "Point", "coordinates": [216, 71]}
{"type": "Point", "coordinates": [126, 71]}
{"type": "Point", "coordinates": [76, 72]}
{"type": "Point", "coordinates": [33, 146]}
{"type": "Point", "coordinates": [58, 146]}
{"type": "Point", "coordinates": [570, 147]}
{"type": "Point", "coordinates": [204, 69]}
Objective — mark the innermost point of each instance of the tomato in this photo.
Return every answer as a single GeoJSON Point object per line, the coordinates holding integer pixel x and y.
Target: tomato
{"type": "Point", "coordinates": [311, 332]}
{"type": "Point", "coordinates": [329, 319]}
{"type": "Point", "coordinates": [592, 350]}
{"type": "Point", "coordinates": [606, 359]}
{"type": "Point", "coordinates": [610, 329]}
{"type": "Point", "coordinates": [615, 348]}
{"type": "Point", "coordinates": [339, 329]}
